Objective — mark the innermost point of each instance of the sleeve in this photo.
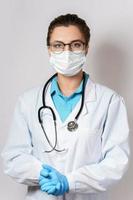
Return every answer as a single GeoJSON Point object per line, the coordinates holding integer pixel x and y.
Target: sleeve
{"type": "Point", "coordinates": [19, 163]}
{"type": "Point", "coordinates": [99, 176]}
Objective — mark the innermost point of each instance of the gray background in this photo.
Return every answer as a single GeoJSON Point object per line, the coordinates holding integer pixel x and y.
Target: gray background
{"type": "Point", "coordinates": [24, 60]}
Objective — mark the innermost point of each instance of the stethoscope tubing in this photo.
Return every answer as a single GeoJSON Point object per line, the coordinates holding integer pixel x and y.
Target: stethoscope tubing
{"type": "Point", "coordinates": [53, 114]}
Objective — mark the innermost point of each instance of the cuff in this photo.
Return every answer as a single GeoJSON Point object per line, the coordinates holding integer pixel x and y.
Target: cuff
{"type": "Point", "coordinates": [71, 182]}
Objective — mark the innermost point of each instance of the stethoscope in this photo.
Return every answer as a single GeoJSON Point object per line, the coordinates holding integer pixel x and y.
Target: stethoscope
{"type": "Point", "coordinates": [71, 126]}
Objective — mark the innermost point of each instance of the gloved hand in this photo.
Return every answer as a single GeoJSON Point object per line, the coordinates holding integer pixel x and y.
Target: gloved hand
{"type": "Point", "coordinates": [45, 178]}
{"type": "Point", "coordinates": [52, 181]}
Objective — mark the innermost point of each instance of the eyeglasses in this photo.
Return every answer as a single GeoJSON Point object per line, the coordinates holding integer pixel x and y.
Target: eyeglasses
{"type": "Point", "coordinates": [75, 46]}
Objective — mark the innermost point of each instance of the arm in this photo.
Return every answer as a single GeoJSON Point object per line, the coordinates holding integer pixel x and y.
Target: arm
{"type": "Point", "coordinates": [19, 163]}
{"type": "Point", "coordinates": [99, 176]}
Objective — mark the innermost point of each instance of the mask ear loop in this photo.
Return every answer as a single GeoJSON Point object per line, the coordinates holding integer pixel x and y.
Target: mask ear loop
{"type": "Point", "coordinates": [54, 119]}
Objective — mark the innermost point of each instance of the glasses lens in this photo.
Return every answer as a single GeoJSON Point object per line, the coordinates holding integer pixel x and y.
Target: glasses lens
{"type": "Point", "coordinates": [77, 46]}
{"type": "Point", "coordinates": [57, 47]}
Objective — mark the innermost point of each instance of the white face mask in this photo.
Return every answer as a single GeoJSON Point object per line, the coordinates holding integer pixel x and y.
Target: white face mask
{"type": "Point", "coordinates": [67, 62]}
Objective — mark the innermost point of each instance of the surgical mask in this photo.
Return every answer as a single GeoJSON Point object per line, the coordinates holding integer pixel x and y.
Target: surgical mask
{"type": "Point", "coordinates": [68, 63]}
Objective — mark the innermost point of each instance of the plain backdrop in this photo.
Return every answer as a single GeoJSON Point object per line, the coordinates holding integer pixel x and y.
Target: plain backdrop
{"type": "Point", "coordinates": [24, 61]}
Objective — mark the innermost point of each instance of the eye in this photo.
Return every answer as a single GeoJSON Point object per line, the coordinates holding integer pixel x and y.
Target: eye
{"type": "Point", "coordinates": [58, 45]}
{"type": "Point", "coordinates": [77, 44]}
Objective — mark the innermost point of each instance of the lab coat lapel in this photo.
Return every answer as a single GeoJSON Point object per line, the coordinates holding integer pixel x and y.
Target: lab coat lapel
{"type": "Point", "coordinates": [90, 96]}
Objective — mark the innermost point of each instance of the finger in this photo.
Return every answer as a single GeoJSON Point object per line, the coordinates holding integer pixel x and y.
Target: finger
{"type": "Point", "coordinates": [62, 188]}
{"type": "Point", "coordinates": [44, 173]}
{"type": "Point", "coordinates": [42, 177]}
{"type": "Point", "coordinates": [43, 181]}
{"type": "Point", "coordinates": [52, 175]}
{"type": "Point", "coordinates": [51, 190]}
{"type": "Point", "coordinates": [46, 188]}
{"type": "Point", "coordinates": [58, 186]}
{"type": "Point", "coordinates": [50, 183]}
{"type": "Point", "coordinates": [56, 193]}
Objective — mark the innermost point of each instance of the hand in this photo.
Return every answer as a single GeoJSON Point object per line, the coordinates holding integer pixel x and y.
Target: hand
{"type": "Point", "coordinates": [44, 177]}
{"type": "Point", "coordinates": [52, 181]}
{"type": "Point", "coordinates": [46, 183]}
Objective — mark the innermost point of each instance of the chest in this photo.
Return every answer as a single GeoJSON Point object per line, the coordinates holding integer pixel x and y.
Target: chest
{"type": "Point", "coordinates": [77, 145]}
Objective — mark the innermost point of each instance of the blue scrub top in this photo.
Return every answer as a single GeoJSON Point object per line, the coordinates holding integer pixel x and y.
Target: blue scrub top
{"type": "Point", "coordinates": [65, 104]}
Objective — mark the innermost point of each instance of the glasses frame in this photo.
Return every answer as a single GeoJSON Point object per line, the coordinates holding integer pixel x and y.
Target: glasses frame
{"type": "Point", "coordinates": [64, 44]}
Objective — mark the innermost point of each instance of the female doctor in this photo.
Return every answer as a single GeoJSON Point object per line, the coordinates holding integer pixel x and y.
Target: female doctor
{"type": "Point", "coordinates": [69, 137]}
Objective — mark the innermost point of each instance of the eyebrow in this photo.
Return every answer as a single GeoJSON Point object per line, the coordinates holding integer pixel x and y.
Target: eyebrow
{"type": "Point", "coordinates": [69, 42]}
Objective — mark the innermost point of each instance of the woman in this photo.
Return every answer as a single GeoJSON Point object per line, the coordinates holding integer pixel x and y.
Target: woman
{"type": "Point", "coordinates": [77, 146]}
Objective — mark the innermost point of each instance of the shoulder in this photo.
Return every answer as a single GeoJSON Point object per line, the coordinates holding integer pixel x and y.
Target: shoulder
{"type": "Point", "coordinates": [106, 93]}
{"type": "Point", "coordinates": [31, 97]}
{"type": "Point", "coordinates": [101, 91]}
{"type": "Point", "coordinates": [105, 90]}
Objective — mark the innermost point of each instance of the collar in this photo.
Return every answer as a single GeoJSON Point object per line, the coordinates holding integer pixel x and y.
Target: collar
{"type": "Point", "coordinates": [55, 87]}
{"type": "Point", "coordinates": [90, 97]}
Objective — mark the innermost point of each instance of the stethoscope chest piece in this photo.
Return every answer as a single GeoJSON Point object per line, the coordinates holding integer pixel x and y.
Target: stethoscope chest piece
{"type": "Point", "coordinates": [72, 126]}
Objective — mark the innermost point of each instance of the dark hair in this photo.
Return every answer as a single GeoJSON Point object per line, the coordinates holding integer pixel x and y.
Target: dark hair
{"type": "Point", "coordinates": [66, 20]}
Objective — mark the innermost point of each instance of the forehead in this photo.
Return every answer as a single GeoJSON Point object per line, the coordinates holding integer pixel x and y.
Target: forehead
{"type": "Point", "coordinates": [66, 34]}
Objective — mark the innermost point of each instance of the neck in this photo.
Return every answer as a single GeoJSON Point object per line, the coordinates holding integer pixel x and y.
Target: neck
{"type": "Point", "coordinates": [68, 84]}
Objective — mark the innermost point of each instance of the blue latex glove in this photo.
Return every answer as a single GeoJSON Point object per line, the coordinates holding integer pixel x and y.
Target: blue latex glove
{"type": "Point", "coordinates": [44, 178]}
{"type": "Point", "coordinates": [57, 184]}
{"type": "Point", "coordinates": [44, 175]}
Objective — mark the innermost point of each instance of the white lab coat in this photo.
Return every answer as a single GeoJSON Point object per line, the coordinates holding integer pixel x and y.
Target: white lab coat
{"type": "Point", "coordinates": [95, 155]}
